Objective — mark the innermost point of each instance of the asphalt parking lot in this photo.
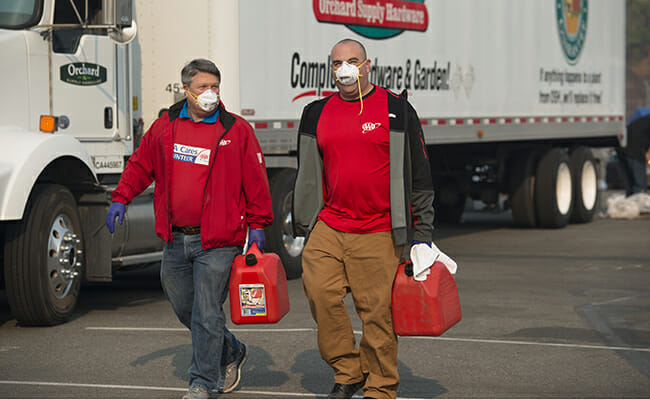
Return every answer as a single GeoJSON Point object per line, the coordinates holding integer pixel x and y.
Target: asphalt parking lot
{"type": "Point", "coordinates": [546, 314]}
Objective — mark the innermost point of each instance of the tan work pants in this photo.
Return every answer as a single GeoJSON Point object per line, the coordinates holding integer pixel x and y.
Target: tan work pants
{"type": "Point", "coordinates": [335, 263]}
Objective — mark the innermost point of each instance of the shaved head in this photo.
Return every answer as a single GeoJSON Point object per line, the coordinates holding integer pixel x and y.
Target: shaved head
{"type": "Point", "coordinates": [352, 41]}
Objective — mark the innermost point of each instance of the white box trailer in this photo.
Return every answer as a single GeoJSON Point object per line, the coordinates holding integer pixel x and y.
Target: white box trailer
{"type": "Point", "coordinates": [502, 87]}
{"type": "Point", "coordinates": [511, 96]}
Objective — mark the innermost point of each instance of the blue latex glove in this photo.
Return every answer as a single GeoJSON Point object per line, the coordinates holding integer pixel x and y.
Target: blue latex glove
{"type": "Point", "coordinates": [418, 242]}
{"type": "Point", "coordinates": [116, 209]}
{"type": "Point", "coordinates": [256, 236]}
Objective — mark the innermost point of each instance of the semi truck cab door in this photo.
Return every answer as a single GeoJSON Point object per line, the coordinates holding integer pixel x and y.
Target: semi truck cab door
{"type": "Point", "coordinates": [84, 87]}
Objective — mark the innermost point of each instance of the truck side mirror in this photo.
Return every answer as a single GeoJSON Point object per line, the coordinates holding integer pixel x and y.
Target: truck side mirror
{"type": "Point", "coordinates": [118, 14]}
{"type": "Point", "coordinates": [123, 13]}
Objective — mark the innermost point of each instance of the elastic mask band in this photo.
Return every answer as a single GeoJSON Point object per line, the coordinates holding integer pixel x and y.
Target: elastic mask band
{"type": "Point", "coordinates": [360, 97]}
{"type": "Point", "coordinates": [196, 97]}
{"type": "Point", "coordinates": [359, 85]}
{"type": "Point", "coordinates": [193, 95]}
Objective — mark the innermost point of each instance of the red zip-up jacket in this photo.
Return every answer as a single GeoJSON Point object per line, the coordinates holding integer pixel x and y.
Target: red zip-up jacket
{"type": "Point", "coordinates": [236, 193]}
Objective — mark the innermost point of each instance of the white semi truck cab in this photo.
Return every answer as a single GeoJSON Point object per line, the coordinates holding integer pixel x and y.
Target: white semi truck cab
{"type": "Point", "coordinates": [67, 126]}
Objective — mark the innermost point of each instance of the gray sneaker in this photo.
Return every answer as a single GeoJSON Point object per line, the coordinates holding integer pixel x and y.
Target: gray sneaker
{"type": "Point", "coordinates": [231, 373]}
{"type": "Point", "coordinates": [196, 392]}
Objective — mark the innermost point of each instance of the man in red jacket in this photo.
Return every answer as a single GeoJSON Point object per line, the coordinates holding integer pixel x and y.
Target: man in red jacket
{"type": "Point", "coordinates": [211, 186]}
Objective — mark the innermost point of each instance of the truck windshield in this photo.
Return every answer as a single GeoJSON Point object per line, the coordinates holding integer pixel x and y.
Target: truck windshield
{"type": "Point", "coordinates": [17, 14]}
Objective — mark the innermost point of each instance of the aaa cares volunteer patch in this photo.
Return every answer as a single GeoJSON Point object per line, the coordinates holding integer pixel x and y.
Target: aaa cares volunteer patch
{"type": "Point", "coordinates": [191, 154]}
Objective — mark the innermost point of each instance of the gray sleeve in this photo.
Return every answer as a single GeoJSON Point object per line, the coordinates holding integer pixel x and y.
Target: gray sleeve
{"type": "Point", "coordinates": [308, 190]}
{"type": "Point", "coordinates": [422, 202]}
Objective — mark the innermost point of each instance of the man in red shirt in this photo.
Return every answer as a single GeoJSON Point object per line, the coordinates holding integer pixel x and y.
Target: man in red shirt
{"type": "Point", "coordinates": [211, 187]}
{"type": "Point", "coordinates": [363, 194]}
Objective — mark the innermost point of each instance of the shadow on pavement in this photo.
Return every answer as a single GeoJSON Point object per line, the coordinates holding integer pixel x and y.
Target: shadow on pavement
{"type": "Point", "coordinates": [181, 356]}
{"type": "Point", "coordinates": [259, 372]}
{"type": "Point", "coordinates": [318, 378]}
{"type": "Point", "coordinates": [256, 372]}
{"type": "Point", "coordinates": [413, 386]}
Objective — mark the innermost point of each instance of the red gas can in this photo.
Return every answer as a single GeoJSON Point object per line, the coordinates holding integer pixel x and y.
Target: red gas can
{"type": "Point", "coordinates": [258, 288]}
{"type": "Point", "coordinates": [424, 308]}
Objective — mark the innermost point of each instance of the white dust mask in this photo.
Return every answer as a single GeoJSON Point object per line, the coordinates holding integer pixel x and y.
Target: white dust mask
{"type": "Point", "coordinates": [347, 74]}
{"type": "Point", "coordinates": [207, 100]}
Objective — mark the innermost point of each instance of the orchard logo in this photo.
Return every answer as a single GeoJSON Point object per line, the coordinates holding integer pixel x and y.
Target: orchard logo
{"type": "Point", "coordinates": [572, 27]}
{"type": "Point", "coordinates": [375, 19]}
{"type": "Point", "coordinates": [83, 74]}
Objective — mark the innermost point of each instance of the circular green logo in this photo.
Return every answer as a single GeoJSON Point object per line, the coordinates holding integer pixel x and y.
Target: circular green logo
{"type": "Point", "coordinates": [572, 27]}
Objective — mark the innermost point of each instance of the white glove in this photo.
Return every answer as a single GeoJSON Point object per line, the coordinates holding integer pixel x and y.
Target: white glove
{"type": "Point", "coordinates": [423, 257]}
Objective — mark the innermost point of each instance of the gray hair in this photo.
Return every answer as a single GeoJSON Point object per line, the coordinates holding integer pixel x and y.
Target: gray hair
{"type": "Point", "coordinates": [200, 64]}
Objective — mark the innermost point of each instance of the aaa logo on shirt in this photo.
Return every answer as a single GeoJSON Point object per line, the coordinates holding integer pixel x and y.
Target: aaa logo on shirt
{"type": "Point", "coordinates": [369, 127]}
{"type": "Point", "coordinates": [195, 155]}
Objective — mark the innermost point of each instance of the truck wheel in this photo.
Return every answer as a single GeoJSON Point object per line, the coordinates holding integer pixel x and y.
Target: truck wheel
{"type": "Point", "coordinates": [280, 233]}
{"type": "Point", "coordinates": [44, 258]}
{"type": "Point", "coordinates": [553, 189]}
{"type": "Point", "coordinates": [585, 184]}
{"type": "Point", "coordinates": [522, 189]}
{"type": "Point", "coordinates": [449, 201]}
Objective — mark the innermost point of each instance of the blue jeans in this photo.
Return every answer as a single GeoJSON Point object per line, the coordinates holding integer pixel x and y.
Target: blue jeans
{"type": "Point", "coordinates": [195, 281]}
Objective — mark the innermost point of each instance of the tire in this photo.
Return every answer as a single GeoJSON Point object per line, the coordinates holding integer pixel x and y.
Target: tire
{"type": "Point", "coordinates": [44, 258]}
{"type": "Point", "coordinates": [522, 189]}
{"type": "Point", "coordinates": [584, 173]}
{"type": "Point", "coordinates": [280, 233]}
{"type": "Point", "coordinates": [449, 201]}
{"type": "Point", "coordinates": [553, 190]}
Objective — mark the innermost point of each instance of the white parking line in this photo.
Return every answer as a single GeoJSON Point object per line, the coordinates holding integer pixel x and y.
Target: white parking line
{"type": "Point", "coordinates": [450, 339]}
{"type": "Point", "coordinates": [126, 328]}
{"type": "Point", "coordinates": [577, 346]}
{"type": "Point", "coordinates": [157, 388]}
{"type": "Point", "coordinates": [93, 385]}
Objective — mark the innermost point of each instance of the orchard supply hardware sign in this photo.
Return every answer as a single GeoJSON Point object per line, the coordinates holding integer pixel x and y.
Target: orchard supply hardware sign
{"type": "Point", "coordinates": [314, 77]}
{"type": "Point", "coordinates": [375, 19]}
{"type": "Point", "coordinates": [83, 74]}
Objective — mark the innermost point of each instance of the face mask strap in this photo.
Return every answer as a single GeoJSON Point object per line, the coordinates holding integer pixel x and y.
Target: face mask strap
{"type": "Point", "coordinates": [360, 96]}
{"type": "Point", "coordinates": [195, 97]}
{"type": "Point", "coordinates": [359, 85]}
{"type": "Point", "coordinates": [361, 65]}
{"type": "Point", "coordinates": [355, 66]}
